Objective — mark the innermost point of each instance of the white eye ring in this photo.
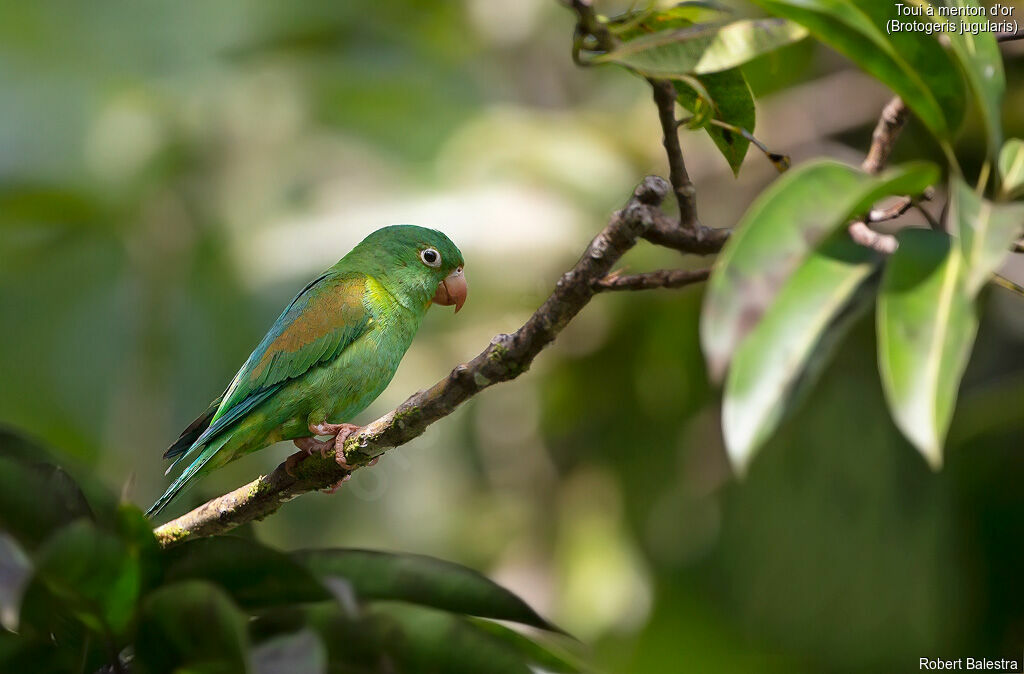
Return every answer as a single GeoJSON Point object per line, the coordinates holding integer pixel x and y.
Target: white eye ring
{"type": "Point", "coordinates": [430, 257]}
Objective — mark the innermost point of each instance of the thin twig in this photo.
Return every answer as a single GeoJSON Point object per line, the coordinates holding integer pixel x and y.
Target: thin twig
{"type": "Point", "coordinates": [1010, 36]}
{"type": "Point", "coordinates": [662, 278]}
{"type": "Point", "coordinates": [682, 186]}
{"type": "Point", "coordinates": [665, 231]}
{"type": "Point", "coordinates": [890, 123]}
{"type": "Point", "coordinates": [901, 206]}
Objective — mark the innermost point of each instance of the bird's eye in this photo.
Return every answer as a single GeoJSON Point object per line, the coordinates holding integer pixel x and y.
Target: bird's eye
{"type": "Point", "coordinates": [430, 257]}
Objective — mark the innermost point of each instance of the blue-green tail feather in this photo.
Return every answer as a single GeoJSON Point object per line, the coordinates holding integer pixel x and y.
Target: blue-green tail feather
{"type": "Point", "coordinates": [186, 476]}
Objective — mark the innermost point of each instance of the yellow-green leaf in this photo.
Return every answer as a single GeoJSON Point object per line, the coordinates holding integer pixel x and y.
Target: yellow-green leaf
{"type": "Point", "coordinates": [984, 232]}
{"type": "Point", "coordinates": [911, 64]}
{"type": "Point", "coordinates": [780, 229]}
{"type": "Point", "coordinates": [810, 312]}
{"type": "Point", "coordinates": [703, 48]}
{"type": "Point", "coordinates": [1011, 167]}
{"type": "Point", "coordinates": [926, 326]}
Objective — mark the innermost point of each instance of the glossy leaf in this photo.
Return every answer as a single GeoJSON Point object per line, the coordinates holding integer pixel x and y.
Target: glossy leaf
{"type": "Point", "coordinates": [36, 498]}
{"type": "Point", "coordinates": [93, 574]}
{"type": "Point", "coordinates": [703, 48]}
{"type": "Point", "coordinates": [984, 232]}
{"type": "Point", "coordinates": [786, 222]}
{"type": "Point", "coordinates": [912, 64]}
{"type": "Point", "coordinates": [733, 103]}
{"type": "Point", "coordinates": [652, 20]}
{"type": "Point", "coordinates": [982, 65]}
{"type": "Point", "coordinates": [254, 575]}
{"type": "Point", "coordinates": [773, 359]}
{"type": "Point", "coordinates": [545, 656]}
{"type": "Point", "coordinates": [191, 627]}
{"type": "Point", "coordinates": [413, 639]}
{"type": "Point", "coordinates": [1011, 167]}
{"type": "Point", "coordinates": [417, 579]}
{"type": "Point", "coordinates": [926, 326]}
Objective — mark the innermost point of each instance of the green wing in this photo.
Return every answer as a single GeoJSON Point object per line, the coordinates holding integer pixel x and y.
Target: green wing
{"type": "Point", "coordinates": [315, 327]}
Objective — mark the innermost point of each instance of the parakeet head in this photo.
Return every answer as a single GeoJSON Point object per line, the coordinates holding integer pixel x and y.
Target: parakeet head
{"type": "Point", "coordinates": [415, 264]}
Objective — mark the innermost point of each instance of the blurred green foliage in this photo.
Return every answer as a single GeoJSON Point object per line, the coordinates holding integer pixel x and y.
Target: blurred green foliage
{"type": "Point", "coordinates": [171, 173]}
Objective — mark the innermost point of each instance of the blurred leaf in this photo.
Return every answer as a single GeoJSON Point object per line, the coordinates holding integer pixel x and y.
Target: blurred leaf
{"type": "Point", "coordinates": [93, 574]}
{"type": "Point", "coordinates": [733, 103]}
{"type": "Point", "coordinates": [771, 361]}
{"type": "Point", "coordinates": [984, 232]}
{"type": "Point", "coordinates": [39, 204]}
{"type": "Point", "coordinates": [652, 20]}
{"type": "Point", "coordinates": [418, 579]}
{"type": "Point", "coordinates": [1011, 167]}
{"type": "Point", "coordinates": [407, 639]}
{"type": "Point", "coordinates": [15, 572]}
{"type": "Point", "coordinates": [136, 531]}
{"type": "Point", "coordinates": [911, 64]}
{"type": "Point", "coordinates": [18, 654]}
{"type": "Point", "coordinates": [254, 575]}
{"type": "Point", "coordinates": [926, 326]}
{"type": "Point", "coordinates": [703, 48]}
{"type": "Point", "coordinates": [982, 64]}
{"type": "Point", "coordinates": [548, 658]}
{"type": "Point", "coordinates": [36, 498]}
{"type": "Point", "coordinates": [191, 627]}
{"type": "Point", "coordinates": [778, 231]}
{"type": "Point", "coordinates": [301, 652]}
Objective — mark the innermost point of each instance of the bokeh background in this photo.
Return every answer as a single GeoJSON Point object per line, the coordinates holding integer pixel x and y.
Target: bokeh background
{"type": "Point", "coordinates": [172, 173]}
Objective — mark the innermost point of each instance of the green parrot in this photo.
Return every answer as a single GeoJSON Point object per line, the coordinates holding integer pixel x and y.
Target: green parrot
{"type": "Point", "coordinates": [330, 353]}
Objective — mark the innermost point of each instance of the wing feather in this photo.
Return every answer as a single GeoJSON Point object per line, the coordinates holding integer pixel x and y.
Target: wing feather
{"type": "Point", "coordinates": [316, 326]}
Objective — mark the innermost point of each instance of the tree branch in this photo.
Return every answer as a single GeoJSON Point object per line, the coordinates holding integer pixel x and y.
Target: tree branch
{"type": "Point", "coordinates": [890, 124]}
{"type": "Point", "coordinates": [1010, 36]}
{"type": "Point", "coordinates": [883, 139]}
{"type": "Point", "coordinates": [682, 186]}
{"type": "Point", "coordinates": [662, 278]}
{"type": "Point", "coordinates": [505, 358]}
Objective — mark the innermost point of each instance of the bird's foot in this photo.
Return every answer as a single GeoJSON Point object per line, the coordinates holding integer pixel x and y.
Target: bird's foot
{"type": "Point", "coordinates": [341, 433]}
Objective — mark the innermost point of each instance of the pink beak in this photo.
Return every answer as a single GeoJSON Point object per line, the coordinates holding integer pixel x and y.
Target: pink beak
{"type": "Point", "coordinates": [452, 290]}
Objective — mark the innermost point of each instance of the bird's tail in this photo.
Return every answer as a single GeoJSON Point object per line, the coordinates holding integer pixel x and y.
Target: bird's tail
{"type": "Point", "coordinates": [186, 476]}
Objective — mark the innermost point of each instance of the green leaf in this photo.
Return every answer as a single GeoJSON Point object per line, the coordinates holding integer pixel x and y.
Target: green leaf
{"type": "Point", "coordinates": [651, 20]}
{"type": "Point", "coordinates": [733, 103]}
{"type": "Point", "coordinates": [548, 658]}
{"type": "Point", "coordinates": [93, 574]}
{"type": "Point", "coordinates": [811, 309]}
{"type": "Point", "coordinates": [442, 642]}
{"type": "Point", "coordinates": [1011, 167]}
{"type": "Point", "coordinates": [984, 232]}
{"type": "Point", "coordinates": [36, 498]}
{"type": "Point", "coordinates": [301, 652]}
{"type": "Point", "coordinates": [786, 222]}
{"type": "Point", "coordinates": [703, 48]}
{"type": "Point", "coordinates": [926, 326]}
{"type": "Point", "coordinates": [19, 654]}
{"type": "Point", "coordinates": [417, 579]}
{"type": "Point", "coordinates": [982, 64]}
{"type": "Point", "coordinates": [413, 639]}
{"type": "Point", "coordinates": [254, 575]}
{"type": "Point", "coordinates": [913, 65]}
{"type": "Point", "coordinates": [191, 627]}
